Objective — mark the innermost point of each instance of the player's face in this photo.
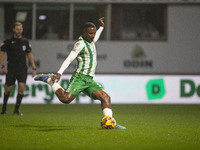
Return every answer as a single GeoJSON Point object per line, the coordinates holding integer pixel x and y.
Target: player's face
{"type": "Point", "coordinates": [89, 34]}
{"type": "Point", "coordinates": [17, 30]}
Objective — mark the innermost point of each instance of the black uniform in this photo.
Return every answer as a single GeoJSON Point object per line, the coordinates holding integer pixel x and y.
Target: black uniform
{"type": "Point", "coordinates": [16, 50]}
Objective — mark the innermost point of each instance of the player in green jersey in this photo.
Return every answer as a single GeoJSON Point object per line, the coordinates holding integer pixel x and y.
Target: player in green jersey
{"type": "Point", "coordinates": [82, 79]}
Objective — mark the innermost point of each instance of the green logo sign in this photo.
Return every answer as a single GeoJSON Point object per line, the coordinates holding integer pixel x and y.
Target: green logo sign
{"type": "Point", "coordinates": [155, 89]}
{"type": "Point", "coordinates": [192, 88]}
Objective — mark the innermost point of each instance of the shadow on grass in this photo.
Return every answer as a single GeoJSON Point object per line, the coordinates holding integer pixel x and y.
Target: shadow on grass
{"type": "Point", "coordinates": [43, 127]}
{"type": "Point", "coordinates": [49, 128]}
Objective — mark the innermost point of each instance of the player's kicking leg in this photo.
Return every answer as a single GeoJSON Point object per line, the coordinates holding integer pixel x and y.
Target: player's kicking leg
{"type": "Point", "coordinates": [63, 96]}
{"type": "Point", "coordinates": [105, 104]}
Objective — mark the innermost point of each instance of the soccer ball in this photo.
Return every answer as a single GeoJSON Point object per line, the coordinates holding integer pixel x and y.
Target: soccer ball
{"type": "Point", "coordinates": [108, 122]}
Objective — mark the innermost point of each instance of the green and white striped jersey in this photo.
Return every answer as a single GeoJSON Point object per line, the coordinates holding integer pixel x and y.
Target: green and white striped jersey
{"type": "Point", "coordinates": [86, 56]}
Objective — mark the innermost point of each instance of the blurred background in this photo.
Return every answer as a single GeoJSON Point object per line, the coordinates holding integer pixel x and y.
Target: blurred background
{"type": "Point", "coordinates": [146, 38]}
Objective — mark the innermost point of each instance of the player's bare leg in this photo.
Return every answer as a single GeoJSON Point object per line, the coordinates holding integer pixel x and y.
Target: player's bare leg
{"type": "Point", "coordinates": [66, 97]}
{"type": "Point", "coordinates": [103, 97]}
{"type": "Point", "coordinates": [105, 104]}
{"type": "Point", "coordinates": [63, 96]}
{"type": "Point", "coordinates": [8, 89]}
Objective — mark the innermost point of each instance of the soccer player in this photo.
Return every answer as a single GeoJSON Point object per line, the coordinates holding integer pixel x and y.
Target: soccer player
{"type": "Point", "coordinates": [17, 49]}
{"type": "Point", "coordinates": [82, 79]}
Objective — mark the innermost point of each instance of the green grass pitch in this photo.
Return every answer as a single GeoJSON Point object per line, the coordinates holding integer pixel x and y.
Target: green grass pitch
{"type": "Point", "coordinates": [76, 126]}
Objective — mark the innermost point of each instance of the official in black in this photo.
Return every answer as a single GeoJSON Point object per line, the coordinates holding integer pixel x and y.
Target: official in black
{"type": "Point", "coordinates": [17, 49]}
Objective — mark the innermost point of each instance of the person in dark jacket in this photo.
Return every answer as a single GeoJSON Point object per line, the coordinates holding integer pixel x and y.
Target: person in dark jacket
{"type": "Point", "coordinates": [17, 49]}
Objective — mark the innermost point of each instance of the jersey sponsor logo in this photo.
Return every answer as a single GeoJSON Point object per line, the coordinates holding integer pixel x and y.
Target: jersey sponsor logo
{"type": "Point", "coordinates": [76, 46]}
{"type": "Point", "coordinates": [24, 47]}
{"type": "Point", "coordinates": [12, 42]}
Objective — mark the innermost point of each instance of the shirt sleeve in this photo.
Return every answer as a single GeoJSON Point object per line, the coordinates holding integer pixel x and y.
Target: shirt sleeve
{"type": "Point", "coordinates": [98, 33]}
{"type": "Point", "coordinates": [3, 46]}
{"type": "Point", "coordinates": [78, 46]}
{"type": "Point", "coordinates": [28, 49]}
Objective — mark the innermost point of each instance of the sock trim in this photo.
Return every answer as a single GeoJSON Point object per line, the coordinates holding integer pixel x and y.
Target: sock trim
{"type": "Point", "coordinates": [107, 112]}
{"type": "Point", "coordinates": [55, 87]}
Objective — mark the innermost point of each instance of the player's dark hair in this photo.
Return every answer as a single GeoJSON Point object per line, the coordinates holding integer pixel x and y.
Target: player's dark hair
{"type": "Point", "coordinates": [16, 24]}
{"type": "Point", "coordinates": [88, 25]}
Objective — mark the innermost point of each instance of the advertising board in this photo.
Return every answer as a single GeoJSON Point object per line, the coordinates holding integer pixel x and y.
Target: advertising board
{"type": "Point", "coordinates": [123, 89]}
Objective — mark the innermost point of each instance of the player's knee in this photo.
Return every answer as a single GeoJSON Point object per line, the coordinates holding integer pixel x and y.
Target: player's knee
{"type": "Point", "coordinates": [66, 98]}
{"type": "Point", "coordinates": [106, 98]}
{"type": "Point", "coordinates": [7, 92]}
{"type": "Point", "coordinates": [21, 92]}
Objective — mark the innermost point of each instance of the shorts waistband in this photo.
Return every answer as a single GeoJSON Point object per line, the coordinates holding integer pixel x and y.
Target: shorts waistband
{"type": "Point", "coordinates": [83, 75]}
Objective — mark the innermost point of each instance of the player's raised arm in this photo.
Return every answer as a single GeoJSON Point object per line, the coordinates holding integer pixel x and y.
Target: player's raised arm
{"type": "Point", "coordinates": [101, 22]}
{"type": "Point", "coordinates": [98, 33]}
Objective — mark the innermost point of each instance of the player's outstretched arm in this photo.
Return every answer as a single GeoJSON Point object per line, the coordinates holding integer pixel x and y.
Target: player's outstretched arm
{"type": "Point", "coordinates": [73, 54]}
{"type": "Point", "coordinates": [67, 62]}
